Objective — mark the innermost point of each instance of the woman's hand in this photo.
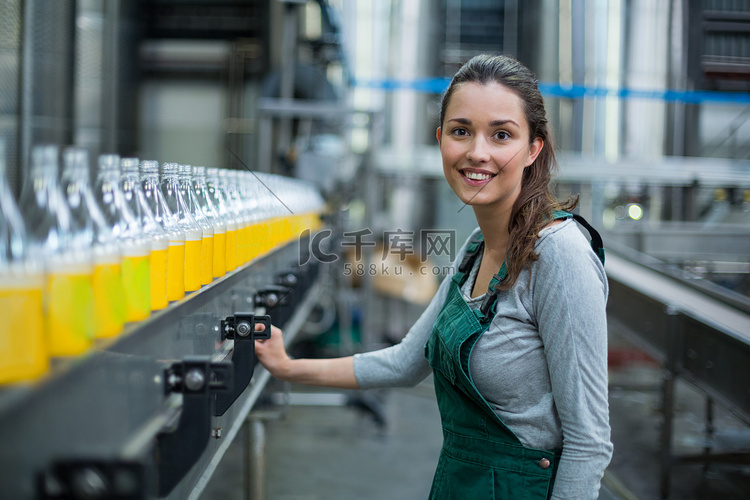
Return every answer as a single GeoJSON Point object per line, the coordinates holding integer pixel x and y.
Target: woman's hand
{"type": "Point", "coordinates": [271, 352]}
{"type": "Point", "coordinates": [333, 372]}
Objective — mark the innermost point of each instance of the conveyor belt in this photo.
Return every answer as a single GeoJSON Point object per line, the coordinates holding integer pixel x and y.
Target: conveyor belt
{"type": "Point", "coordinates": [671, 293]}
{"type": "Point", "coordinates": [695, 336]}
{"type": "Point", "coordinates": [100, 417]}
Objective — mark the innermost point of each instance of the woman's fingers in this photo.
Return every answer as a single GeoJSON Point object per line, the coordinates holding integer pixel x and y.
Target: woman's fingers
{"type": "Point", "coordinates": [271, 352]}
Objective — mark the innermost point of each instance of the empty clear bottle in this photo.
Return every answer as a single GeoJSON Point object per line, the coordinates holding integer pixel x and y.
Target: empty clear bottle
{"type": "Point", "coordinates": [170, 188]}
{"type": "Point", "coordinates": [135, 248]}
{"type": "Point", "coordinates": [109, 294]}
{"type": "Point", "coordinates": [149, 173]}
{"type": "Point", "coordinates": [212, 214]}
{"type": "Point", "coordinates": [135, 199]}
{"type": "Point", "coordinates": [68, 295]}
{"type": "Point", "coordinates": [218, 197]}
{"type": "Point", "coordinates": [23, 349]}
{"type": "Point", "coordinates": [207, 248]}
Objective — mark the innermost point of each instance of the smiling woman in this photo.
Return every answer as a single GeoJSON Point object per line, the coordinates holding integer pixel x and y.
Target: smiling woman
{"type": "Point", "coordinates": [516, 335]}
{"type": "Point", "coordinates": [485, 145]}
{"type": "Point", "coordinates": [493, 127]}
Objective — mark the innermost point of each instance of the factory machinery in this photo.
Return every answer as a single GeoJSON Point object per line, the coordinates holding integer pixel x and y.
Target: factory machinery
{"type": "Point", "coordinates": [149, 413]}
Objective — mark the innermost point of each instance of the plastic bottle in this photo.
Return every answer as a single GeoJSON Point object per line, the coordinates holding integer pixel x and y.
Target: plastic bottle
{"type": "Point", "coordinates": [135, 248]}
{"type": "Point", "coordinates": [191, 200]}
{"type": "Point", "coordinates": [275, 211]}
{"type": "Point", "coordinates": [250, 195]}
{"type": "Point", "coordinates": [260, 234]}
{"type": "Point", "coordinates": [218, 197]}
{"type": "Point", "coordinates": [212, 214]}
{"type": "Point", "coordinates": [109, 295]}
{"type": "Point", "coordinates": [248, 207]}
{"type": "Point", "coordinates": [135, 199]}
{"type": "Point", "coordinates": [23, 350]}
{"type": "Point", "coordinates": [170, 188]}
{"type": "Point", "coordinates": [68, 299]}
{"type": "Point", "coordinates": [227, 181]}
{"type": "Point", "coordinates": [149, 174]}
{"type": "Point", "coordinates": [235, 179]}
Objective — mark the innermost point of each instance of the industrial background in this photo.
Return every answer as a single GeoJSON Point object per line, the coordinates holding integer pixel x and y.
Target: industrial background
{"type": "Point", "coordinates": [650, 107]}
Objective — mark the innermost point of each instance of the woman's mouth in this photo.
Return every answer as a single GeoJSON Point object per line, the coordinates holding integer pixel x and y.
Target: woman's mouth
{"type": "Point", "coordinates": [474, 177]}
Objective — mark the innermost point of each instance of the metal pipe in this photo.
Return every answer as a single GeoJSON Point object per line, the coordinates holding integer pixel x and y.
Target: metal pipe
{"type": "Point", "coordinates": [25, 86]}
{"type": "Point", "coordinates": [110, 76]}
{"type": "Point", "coordinates": [578, 21]}
{"type": "Point", "coordinates": [668, 397]}
{"type": "Point", "coordinates": [510, 28]}
{"type": "Point", "coordinates": [255, 460]}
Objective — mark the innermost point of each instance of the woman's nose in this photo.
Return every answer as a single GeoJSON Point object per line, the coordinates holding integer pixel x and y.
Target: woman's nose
{"type": "Point", "coordinates": [478, 150]}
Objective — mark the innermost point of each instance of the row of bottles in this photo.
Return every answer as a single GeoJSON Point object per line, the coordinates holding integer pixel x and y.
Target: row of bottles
{"type": "Point", "coordinates": [80, 259]}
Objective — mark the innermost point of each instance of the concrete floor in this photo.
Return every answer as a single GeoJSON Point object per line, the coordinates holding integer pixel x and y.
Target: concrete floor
{"type": "Point", "coordinates": [340, 452]}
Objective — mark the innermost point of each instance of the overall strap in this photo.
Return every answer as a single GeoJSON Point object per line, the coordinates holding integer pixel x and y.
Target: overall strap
{"type": "Point", "coordinates": [597, 244]}
{"type": "Point", "coordinates": [472, 250]}
{"type": "Point", "coordinates": [488, 304]}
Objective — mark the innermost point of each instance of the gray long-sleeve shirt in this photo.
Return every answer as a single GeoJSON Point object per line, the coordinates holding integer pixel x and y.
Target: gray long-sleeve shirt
{"type": "Point", "coordinates": [542, 364]}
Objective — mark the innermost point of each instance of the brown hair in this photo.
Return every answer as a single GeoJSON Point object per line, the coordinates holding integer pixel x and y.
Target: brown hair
{"type": "Point", "coordinates": [536, 202]}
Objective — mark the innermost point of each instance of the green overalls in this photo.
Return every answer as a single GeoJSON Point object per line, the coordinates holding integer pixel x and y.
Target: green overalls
{"type": "Point", "coordinates": [481, 458]}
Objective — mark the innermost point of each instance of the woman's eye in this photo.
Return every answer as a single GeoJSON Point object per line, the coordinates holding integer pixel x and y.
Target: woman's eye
{"type": "Point", "coordinates": [460, 131]}
{"type": "Point", "coordinates": [502, 135]}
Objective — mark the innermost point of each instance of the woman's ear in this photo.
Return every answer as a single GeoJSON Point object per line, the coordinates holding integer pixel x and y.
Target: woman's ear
{"type": "Point", "coordinates": [437, 134]}
{"type": "Point", "coordinates": [534, 149]}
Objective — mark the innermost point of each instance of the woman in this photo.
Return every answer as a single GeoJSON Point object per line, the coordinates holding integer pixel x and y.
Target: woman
{"type": "Point", "coordinates": [516, 337]}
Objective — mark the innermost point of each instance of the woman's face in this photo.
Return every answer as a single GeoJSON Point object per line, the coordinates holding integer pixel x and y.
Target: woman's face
{"type": "Point", "coordinates": [484, 143]}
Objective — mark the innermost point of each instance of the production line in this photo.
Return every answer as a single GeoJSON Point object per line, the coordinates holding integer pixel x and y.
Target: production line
{"type": "Point", "coordinates": [174, 173]}
{"type": "Point", "coordinates": [144, 411]}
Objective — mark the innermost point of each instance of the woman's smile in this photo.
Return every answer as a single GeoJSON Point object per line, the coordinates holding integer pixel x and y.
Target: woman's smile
{"type": "Point", "coordinates": [477, 177]}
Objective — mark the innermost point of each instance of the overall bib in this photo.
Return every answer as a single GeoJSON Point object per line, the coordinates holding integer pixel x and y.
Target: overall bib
{"type": "Point", "coordinates": [481, 458]}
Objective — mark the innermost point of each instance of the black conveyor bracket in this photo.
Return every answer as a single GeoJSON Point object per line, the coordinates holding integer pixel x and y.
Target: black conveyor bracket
{"type": "Point", "coordinates": [197, 378]}
{"type": "Point", "coordinates": [241, 329]}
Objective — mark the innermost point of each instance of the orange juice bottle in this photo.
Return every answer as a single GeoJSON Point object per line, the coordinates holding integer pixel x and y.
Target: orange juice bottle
{"type": "Point", "coordinates": [216, 194]}
{"type": "Point", "coordinates": [109, 294]}
{"type": "Point", "coordinates": [176, 269]}
{"type": "Point", "coordinates": [64, 245]}
{"type": "Point", "coordinates": [247, 190]}
{"type": "Point", "coordinates": [136, 278]}
{"type": "Point", "coordinates": [278, 201]}
{"type": "Point", "coordinates": [128, 230]}
{"type": "Point", "coordinates": [207, 228]}
{"type": "Point", "coordinates": [231, 257]}
{"type": "Point", "coordinates": [22, 356]}
{"type": "Point", "coordinates": [254, 192]}
{"type": "Point", "coordinates": [109, 310]}
{"type": "Point", "coordinates": [69, 304]}
{"type": "Point", "coordinates": [149, 175]}
{"type": "Point", "coordinates": [170, 188]}
{"type": "Point", "coordinates": [193, 244]}
{"type": "Point", "coordinates": [243, 203]}
{"type": "Point", "coordinates": [211, 211]}
{"type": "Point", "coordinates": [158, 240]}
{"type": "Point", "coordinates": [227, 181]}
